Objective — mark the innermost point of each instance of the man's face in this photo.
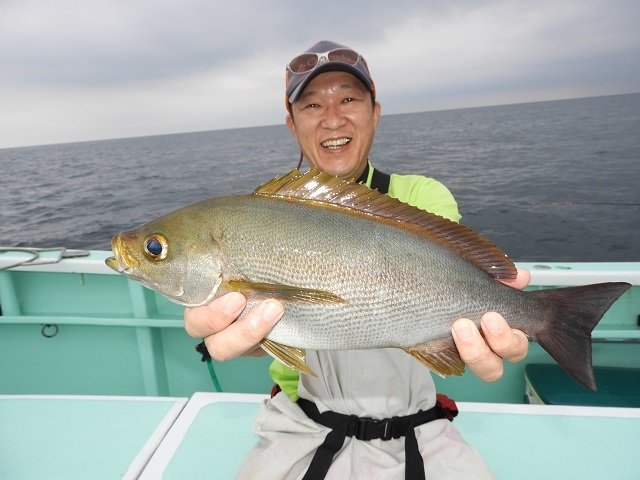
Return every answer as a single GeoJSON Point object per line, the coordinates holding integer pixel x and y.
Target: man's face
{"type": "Point", "coordinates": [334, 122]}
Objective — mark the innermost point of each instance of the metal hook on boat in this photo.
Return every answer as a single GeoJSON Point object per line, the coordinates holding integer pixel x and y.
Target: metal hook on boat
{"type": "Point", "coordinates": [34, 255]}
{"type": "Point", "coordinates": [49, 330]}
{"type": "Point", "coordinates": [34, 258]}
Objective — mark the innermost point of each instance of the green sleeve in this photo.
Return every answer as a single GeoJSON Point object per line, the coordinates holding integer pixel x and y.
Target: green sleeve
{"type": "Point", "coordinates": [286, 378]}
{"type": "Point", "coordinates": [426, 194]}
{"type": "Point", "coordinates": [422, 192]}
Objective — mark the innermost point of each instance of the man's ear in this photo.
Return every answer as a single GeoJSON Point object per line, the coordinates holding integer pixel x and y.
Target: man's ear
{"type": "Point", "coordinates": [377, 111]}
{"type": "Point", "coordinates": [290, 124]}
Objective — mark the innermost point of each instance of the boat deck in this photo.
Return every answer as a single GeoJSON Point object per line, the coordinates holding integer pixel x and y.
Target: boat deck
{"type": "Point", "coordinates": [74, 437]}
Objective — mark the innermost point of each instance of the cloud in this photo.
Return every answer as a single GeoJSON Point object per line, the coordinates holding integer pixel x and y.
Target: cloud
{"type": "Point", "coordinates": [503, 47]}
{"type": "Point", "coordinates": [106, 42]}
{"type": "Point", "coordinates": [210, 99]}
{"type": "Point", "coordinates": [103, 69]}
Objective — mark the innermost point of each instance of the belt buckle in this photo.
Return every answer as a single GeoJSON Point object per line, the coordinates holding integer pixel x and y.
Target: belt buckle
{"type": "Point", "coordinates": [360, 427]}
{"type": "Point", "coordinates": [382, 426]}
{"type": "Point", "coordinates": [387, 433]}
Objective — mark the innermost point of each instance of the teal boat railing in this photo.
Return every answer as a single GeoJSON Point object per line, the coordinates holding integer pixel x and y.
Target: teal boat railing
{"type": "Point", "coordinates": [73, 326]}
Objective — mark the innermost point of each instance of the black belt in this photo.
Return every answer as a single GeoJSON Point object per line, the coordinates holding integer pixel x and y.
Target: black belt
{"type": "Point", "coordinates": [366, 428]}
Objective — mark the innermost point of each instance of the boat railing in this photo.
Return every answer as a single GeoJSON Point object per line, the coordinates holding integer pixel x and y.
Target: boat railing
{"type": "Point", "coordinates": [66, 305]}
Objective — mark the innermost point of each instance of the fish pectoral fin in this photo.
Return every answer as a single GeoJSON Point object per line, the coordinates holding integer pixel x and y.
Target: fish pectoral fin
{"type": "Point", "coordinates": [292, 357]}
{"type": "Point", "coordinates": [282, 292]}
{"type": "Point", "coordinates": [441, 356]}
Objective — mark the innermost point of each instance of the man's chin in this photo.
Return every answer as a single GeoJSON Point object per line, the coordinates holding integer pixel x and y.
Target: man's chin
{"type": "Point", "coordinates": [340, 167]}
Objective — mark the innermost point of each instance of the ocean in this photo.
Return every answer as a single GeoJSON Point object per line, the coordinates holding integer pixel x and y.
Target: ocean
{"type": "Point", "coordinates": [547, 181]}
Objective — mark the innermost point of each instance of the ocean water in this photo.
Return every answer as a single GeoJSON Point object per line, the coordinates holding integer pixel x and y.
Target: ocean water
{"type": "Point", "coordinates": [548, 181]}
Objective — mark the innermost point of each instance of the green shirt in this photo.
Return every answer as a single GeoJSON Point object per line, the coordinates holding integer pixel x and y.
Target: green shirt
{"type": "Point", "coordinates": [421, 192]}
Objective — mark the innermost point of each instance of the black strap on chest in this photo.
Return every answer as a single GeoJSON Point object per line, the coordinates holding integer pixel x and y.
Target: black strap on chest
{"type": "Point", "coordinates": [379, 180]}
{"type": "Point", "coordinates": [366, 428]}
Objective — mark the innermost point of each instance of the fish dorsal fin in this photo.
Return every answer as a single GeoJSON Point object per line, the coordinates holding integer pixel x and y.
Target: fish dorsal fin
{"type": "Point", "coordinates": [324, 190]}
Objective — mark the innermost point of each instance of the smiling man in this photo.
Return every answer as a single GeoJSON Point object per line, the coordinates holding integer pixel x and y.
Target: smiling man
{"type": "Point", "coordinates": [307, 430]}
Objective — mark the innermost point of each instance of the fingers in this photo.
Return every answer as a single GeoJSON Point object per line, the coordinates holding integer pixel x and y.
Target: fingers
{"type": "Point", "coordinates": [484, 355]}
{"type": "Point", "coordinates": [521, 281]}
{"type": "Point", "coordinates": [475, 352]}
{"type": "Point", "coordinates": [510, 344]}
{"type": "Point", "coordinates": [214, 317]}
{"type": "Point", "coordinates": [226, 337]}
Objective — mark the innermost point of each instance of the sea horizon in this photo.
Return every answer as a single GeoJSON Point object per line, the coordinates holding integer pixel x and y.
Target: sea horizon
{"type": "Point", "coordinates": [452, 109]}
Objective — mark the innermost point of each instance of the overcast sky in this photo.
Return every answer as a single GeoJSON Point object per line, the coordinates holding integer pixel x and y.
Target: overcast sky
{"type": "Point", "coordinates": [84, 70]}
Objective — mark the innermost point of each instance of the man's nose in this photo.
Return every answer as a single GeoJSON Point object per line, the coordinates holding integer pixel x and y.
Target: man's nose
{"type": "Point", "coordinates": [333, 117]}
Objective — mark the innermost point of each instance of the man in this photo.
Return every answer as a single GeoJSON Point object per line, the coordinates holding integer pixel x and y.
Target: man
{"type": "Point", "coordinates": [333, 114]}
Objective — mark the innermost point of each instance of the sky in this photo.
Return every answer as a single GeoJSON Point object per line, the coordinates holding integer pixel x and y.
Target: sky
{"type": "Point", "coordinates": [75, 71]}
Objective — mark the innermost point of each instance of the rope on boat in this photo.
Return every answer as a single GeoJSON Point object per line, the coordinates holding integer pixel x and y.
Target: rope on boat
{"type": "Point", "coordinates": [34, 255]}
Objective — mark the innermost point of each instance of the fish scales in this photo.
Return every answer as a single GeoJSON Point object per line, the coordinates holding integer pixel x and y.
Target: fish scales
{"type": "Point", "coordinates": [406, 292]}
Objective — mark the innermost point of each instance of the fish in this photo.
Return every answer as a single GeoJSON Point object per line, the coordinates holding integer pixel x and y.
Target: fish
{"type": "Point", "coordinates": [355, 269]}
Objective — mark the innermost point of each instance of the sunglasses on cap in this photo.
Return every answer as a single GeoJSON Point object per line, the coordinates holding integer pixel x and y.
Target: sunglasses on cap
{"type": "Point", "coordinates": [307, 62]}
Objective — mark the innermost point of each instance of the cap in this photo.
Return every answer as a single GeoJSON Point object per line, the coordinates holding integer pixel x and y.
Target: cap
{"type": "Point", "coordinates": [325, 56]}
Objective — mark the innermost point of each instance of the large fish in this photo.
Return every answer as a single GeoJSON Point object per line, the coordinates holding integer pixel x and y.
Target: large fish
{"type": "Point", "coordinates": [356, 270]}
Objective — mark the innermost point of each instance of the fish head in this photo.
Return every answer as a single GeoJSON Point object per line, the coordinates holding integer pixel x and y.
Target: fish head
{"type": "Point", "coordinates": [180, 262]}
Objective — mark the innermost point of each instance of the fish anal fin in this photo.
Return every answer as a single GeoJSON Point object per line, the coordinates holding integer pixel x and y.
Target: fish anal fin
{"type": "Point", "coordinates": [292, 357]}
{"type": "Point", "coordinates": [259, 290]}
{"type": "Point", "coordinates": [441, 356]}
{"type": "Point", "coordinates": [322, 190]}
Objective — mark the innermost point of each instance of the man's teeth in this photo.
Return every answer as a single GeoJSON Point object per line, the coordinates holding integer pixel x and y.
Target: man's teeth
{"type": "Point", "coordinates": [336, 142]}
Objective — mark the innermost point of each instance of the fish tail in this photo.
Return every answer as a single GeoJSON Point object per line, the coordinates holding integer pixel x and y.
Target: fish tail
{"type": "Point", "coordinates": [572, 314]}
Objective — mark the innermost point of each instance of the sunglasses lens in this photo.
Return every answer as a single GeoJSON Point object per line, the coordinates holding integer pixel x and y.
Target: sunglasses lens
{"type": "Point", "coordinates": [344, 55]}
{"type": "Point", "coordinates": [303, 63]}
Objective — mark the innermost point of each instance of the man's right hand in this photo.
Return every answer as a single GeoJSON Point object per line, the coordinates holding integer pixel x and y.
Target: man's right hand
{"type": "Point", "coordinates": [224, 334]}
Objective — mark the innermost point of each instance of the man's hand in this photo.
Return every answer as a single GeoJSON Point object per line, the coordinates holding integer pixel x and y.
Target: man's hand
{"type": "Point", "coordinates": [225, 337]}
{"type": "Point", "coordinates": [484, 353]}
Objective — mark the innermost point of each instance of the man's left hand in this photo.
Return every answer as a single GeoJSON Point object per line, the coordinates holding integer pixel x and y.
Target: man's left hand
{"type": "Point", "coordinates": [484, 353]}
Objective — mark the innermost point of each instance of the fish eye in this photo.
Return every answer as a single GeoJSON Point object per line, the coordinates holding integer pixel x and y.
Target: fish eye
{"type": "Point", "coordinates": [156, 247]}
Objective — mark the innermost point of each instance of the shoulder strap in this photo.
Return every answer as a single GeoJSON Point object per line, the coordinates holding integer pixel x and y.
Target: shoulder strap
{"type": "Point", "coordinates": [380, 181]}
